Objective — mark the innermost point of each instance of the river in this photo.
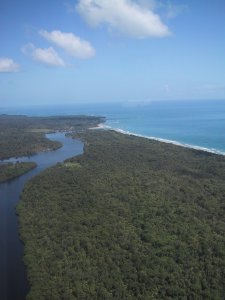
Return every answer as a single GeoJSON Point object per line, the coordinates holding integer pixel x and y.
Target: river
{"type": "Point", "coordinates": [13, 279]}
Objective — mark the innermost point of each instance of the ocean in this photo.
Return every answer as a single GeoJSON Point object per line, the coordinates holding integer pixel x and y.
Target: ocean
{"type": "Point", "coordinates": [198, 124]}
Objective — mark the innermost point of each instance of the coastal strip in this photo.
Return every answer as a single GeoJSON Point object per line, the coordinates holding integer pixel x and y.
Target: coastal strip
{"type": "Point", "coordinates": [130, 218]}
{"type": "Point", "coordinates": [167, 141]}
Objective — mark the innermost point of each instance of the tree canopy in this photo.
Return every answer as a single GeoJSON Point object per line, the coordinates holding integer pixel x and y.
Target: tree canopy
{"type": "Point", "coordinates": [132, 218]}
{"type": "Point", "coordinates": [24, 136]}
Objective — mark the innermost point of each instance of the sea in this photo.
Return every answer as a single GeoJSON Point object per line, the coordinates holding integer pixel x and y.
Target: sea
{"type": "Point", "coordinates": [198, 124]}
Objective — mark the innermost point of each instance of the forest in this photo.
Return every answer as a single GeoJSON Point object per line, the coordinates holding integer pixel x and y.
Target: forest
{"type": "Point", "coordinates": [131, 218]}
{"type": "Point", "coordinates": [11, 170]}
{"type": "Point", "coordinates": [25, 136]}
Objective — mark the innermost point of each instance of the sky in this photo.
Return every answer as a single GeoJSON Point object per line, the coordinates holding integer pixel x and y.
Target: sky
{"type": "Point", "coordinates": [86, 51]}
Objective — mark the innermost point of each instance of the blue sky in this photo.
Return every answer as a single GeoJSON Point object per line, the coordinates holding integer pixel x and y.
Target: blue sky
{"type": "Point", "coordinates": [55, 51]}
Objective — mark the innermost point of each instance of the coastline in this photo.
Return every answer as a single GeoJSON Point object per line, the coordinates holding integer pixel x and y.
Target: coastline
{"type": "Point", "coordinates": [135, 194]}
{"type": "Point", "coordinates": [167, 141]}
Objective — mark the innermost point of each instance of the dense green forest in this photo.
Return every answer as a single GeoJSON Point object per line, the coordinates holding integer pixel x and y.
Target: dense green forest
{"type": "Point", "coordinates": [132, 218]}
{"type": "Point", "coordinates": [11, 170]}
{"type": "Point", "coordinates": [24, 136]}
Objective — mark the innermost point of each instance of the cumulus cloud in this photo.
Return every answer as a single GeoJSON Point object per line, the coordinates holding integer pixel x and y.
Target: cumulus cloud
{"type": "Point", "coordinates": [7, 65]}
{"type": "Point", "coordinates": [71, 43]}
{"type": "Point", "coordinates": [127, 17]}
{"type": "Point", "coordinates": [47, 56]}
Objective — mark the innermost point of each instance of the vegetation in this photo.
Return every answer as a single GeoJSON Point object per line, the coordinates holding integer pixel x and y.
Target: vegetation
{"type": "Point", "coordinates": [24, 136]}
{"type": "Point", "coordinates": [130, 219]}
{"type": "Point", "coordinates": [11, 170]}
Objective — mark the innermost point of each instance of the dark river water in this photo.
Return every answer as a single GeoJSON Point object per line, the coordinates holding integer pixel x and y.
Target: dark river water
{"type": "Point", "coordinates": [13, 280]}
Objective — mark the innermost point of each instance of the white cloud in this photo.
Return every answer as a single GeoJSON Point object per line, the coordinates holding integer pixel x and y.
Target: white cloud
{"type": "Point", "coordinates": [149, 4]}
{"type": "Point", "coordinates": [7, 65]}
{"type": "Point", "coordinates": [71, 43]}
{"type": "Point", "coordinates": [130, 18]}
{"type": "Point", "coordinates": [47, 56]}
{"type": "Point", "coordinates": [167, 9]}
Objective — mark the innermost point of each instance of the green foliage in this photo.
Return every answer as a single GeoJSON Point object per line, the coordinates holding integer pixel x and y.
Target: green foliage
{"type": "Point", "coordinates": [24, 136]}
{"type": "Point", "coordinates": [138, 219]}
{"type": "Point", "coordinates": [11, 170]}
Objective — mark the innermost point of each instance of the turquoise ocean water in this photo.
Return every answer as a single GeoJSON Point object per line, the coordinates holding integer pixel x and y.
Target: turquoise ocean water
{"type": "Point", "coordinates": [195, 123]}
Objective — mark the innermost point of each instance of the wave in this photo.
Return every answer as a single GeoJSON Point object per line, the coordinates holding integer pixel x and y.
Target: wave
{"type": "Point", "coordinates": [195, 147]}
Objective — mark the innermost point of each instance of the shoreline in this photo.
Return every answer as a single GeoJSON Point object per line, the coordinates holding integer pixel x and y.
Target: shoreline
{"type": "Point", "coordinates": [152, 195]}
{"type": "Point", "coordinates": [22, 167]}
{"type": "Point", "coordinates": [17, 272]}
{"type": "Point", "coordinates": [184, 145]}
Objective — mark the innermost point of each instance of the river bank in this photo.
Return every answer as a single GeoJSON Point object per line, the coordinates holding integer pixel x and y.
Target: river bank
{"type": "Point", "coordinates": [14, 284]}
{"type": "Point", "coordinates": [9, 171]}
{"type": "Point", "coordinates": [131, 218]}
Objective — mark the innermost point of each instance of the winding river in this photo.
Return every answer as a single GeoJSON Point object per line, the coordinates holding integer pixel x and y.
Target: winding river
{"type": "Point", "coordinates": [13, 279]}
